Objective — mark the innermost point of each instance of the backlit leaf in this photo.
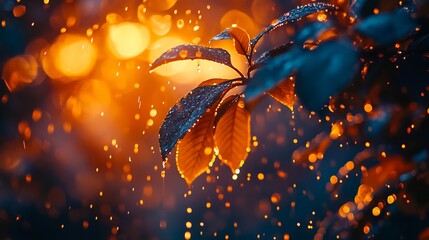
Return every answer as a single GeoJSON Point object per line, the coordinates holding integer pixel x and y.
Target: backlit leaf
{"type": "Point", "coordinates": [224, 35]}
{"type": "Point", "coordinates": [294, 15]}
{"type": "Point", "coordinates": [225, 105]}
{"type": "Point", "coordinates": [186, 111]}
{"type": "Point", "coordinates": [387, 28]}
{"type": "Point", "coordinates": [215, 81]}
{"type": "Point", "coordinates": [241, 40]}
{"type": "Point", "coordinates": [268, 55]}
{"type": "Point", "coordinates": [312, 32]}
{"type": "Point", "coordinates": [195, 152]}
{"type": "Point", "coordinates": [329, 68]}
{"type": "Point", "coordinates": [285, 93]}
{"type": "Point", "coordinates": [232, 135]}
{"type": "Point", "coordinates": [191, 52]}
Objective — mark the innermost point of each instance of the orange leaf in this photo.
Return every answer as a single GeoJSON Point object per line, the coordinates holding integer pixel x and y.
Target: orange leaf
{"type": "Point", "coordinates": [195, 151]}
{"type": "Point", "coordinates": [285, 93]}
{"type": "Point", "coordinates": [232, 135]}
{"type": "Point", "coordinates": [241, 40]}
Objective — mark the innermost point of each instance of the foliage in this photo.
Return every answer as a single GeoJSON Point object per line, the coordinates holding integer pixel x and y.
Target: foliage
{"type": "Point", "coordinates": [354, 67]}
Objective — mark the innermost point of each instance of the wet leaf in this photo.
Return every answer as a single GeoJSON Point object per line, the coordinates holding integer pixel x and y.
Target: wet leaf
{"type": "Point", "coordinates": [195, 152]}
{"type": "Point", "coordinates": [294, 15]}
{"type": "Point", "coordinates": [329, 68]}
{"type": "Point", "coordinates": [268, 76]}
{"type": "Point", "coordinates": [232, 135]}
{"type": "Point", "coordinates": [186, 111]}
{"type": "Point", "coordinates": [191, 52]}
{"type": "Point", "coordinates": [241, 40]}
{"type": "Point", "coordinates": [224, 35]}
{"type": "Point", "coordinates": [387, 28]}
{"type": "Point", "coordinates": [284, 93]}
{"type": "Point", "coordinates": [312, 32]}
{"type": "Point", "coordinates": [268, 55]}
{"type": "Point", "coordinates": [224, 106]}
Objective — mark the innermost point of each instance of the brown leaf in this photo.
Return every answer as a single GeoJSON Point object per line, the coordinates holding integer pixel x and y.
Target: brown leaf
{"type": "Point", "coordinates": [285, 93]}
{"type": "Point", "coordinates": [195, 151]}
{"type": "Point", "coordinates": [233, 135]}
{"type": "Point", "coordinates": [241, 40]}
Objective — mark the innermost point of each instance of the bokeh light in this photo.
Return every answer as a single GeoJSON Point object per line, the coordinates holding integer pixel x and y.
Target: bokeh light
{"type": "Point", "coordinates": [127, 40]}
{"type": "Point", "coordinates": [70, 56]}
{"type": "Point", "coordinates": [19, 71]}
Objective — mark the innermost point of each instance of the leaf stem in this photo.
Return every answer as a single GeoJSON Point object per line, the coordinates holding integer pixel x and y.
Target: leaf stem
{"type": "Point", "coordinates": [238, 71]}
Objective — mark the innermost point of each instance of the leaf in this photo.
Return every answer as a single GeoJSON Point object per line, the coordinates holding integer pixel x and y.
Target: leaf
{"type": "Point", "coordinates": [284, 93]}
{"type": "Point", "coordinates": [268, 76]}
{"type": "Point", "coordinates": [241, 40]}
{"type": "Point", "coordinates": [294, 15]}
{"type": "Point", "coordinates": [190, 52]}
{"type": "Point", "coordinates": [312, 32]}
{"type": "Point", "coordinates": [214, 82]}
{"type": "Point", "coordinates": [186, 111]}
{"type": "Point", "coordinates": [195, 152]}
{"type": "Point", "coordinates": [356, 8]}
{"type": "Point", "coordinates": [224, 35]}
{"type": "Point", "coordinates": [232, 135]}
{"type": "Point", "coordinates": [268, 55]}
{"type": "Point", "coordinates": [224, 106]}
{"type": "Point", "coordinates": [387, 28]}
{"type": "Point", "coordinates": [328, 69]}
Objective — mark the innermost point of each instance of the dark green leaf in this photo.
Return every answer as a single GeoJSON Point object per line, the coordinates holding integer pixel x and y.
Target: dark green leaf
{"type": "Point", "coordinates": [321, 72]}
{"type": "Point", "coordinates": [274, 72]}
{"type": "Point", "coordinates": [191, 52]}
{"type": "Point", "coordinates": [186, 111]}
{"type": "Point", "coordinates": [224, 35]}
{"type": "Point", "coordinates": [387, 28]}
{"type": "Point", "coordinates": [311, 32]}
{"type": "Point", "coordinates": [327, 70]}
{"type": "Point", "coordinates": [268, 55]}
{"type": "Point", "coordinates": [356, 8]}
{"type": "Point", "coordinates": [294, 15]}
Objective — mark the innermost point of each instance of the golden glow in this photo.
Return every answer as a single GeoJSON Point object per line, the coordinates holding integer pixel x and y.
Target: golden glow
{"type": "Point", "coordinates": [376, 211]}
{"type": "Point", "coordinates": [240, 19]}
{"type": "Point", "coordinates": [127, 40]}
{"type": "Point", "coordinates": [367, 107]}
{"type": "Point", "coordinates": [160, 25]}
{"type": "Point", "coordinates": [71, 55]}
{"type": "Point", "coordinates": [161, 5]}
{"type": "Point", "coordinates": [19, 71]}
{"type": "Point", "coordinates": [19, 11]}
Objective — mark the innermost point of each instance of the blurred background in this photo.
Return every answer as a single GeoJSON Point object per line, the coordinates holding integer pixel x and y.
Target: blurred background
{"type": "Point", "coordinates": [80, 113]}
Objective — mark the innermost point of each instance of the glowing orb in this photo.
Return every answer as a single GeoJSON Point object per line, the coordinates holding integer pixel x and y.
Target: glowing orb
{"type": "Point", "coordinates": [127, 40]}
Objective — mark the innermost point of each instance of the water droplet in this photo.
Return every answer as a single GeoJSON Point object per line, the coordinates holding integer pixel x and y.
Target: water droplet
{"type": "Point", "coordinates": [183, 53]}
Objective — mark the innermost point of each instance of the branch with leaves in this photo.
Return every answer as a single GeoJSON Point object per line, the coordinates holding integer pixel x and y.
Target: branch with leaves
{"type": "Point", "coordinates": [339, 66]}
